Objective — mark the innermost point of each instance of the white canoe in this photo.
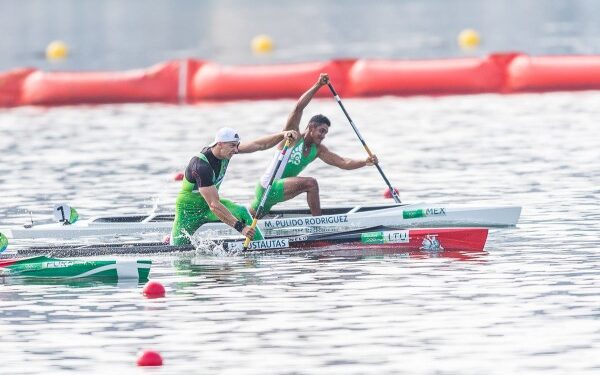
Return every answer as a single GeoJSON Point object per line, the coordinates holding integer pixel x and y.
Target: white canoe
{"type": "Point", "coordinates": [289, 221]}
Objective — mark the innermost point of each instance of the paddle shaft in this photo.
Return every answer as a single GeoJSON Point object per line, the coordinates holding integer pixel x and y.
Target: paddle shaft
{"type": "Point", "coordinates": [266, 192]}
{"type": "Point", "coordinates": [387, 182]}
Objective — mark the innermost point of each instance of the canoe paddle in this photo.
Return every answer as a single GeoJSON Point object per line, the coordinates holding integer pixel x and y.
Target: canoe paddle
{"type": "Point", "coordinates": [337, 98]}
{"type": "Point", "coordinates": [266, 192]}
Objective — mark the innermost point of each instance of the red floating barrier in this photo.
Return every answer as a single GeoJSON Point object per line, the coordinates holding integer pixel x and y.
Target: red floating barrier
{"type": "Point", "coordinates": [190, 80]}
{"type": "Point", "coordinates": [431, 77]}
{"type": "Point", "coordinates": [186, 77]}
{"type": "Point", "coordinates": [216, 82]}
{"type": "Point", "coordinates": [10, 86]}
{"type": "Point", "coordinates": [554, 73]}
{"type": "Point", "coordinates": [159, 83]}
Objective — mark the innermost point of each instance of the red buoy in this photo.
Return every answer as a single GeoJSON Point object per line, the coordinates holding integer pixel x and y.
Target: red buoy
{"type": "Point", "coordinates": [388, 193]}
{"type": "Point", "coordinates": [178, 176]}
{"type": "Point", "coordinates": [154, 289]}
{"type": "Point", "coordinates": [149, 358]}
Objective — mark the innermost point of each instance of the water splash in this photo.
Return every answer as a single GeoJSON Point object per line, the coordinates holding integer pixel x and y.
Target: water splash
{"type": "Point", "coordinates": [155, 202]}
{"type": "Point", "coordinates": [209, 243]}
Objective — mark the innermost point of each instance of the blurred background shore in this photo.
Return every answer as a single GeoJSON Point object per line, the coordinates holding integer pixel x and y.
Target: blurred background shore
{"type": "Point", "coordinates": [118, 35]}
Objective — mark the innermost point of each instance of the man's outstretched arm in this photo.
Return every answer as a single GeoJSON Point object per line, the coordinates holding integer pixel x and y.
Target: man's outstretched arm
{"type": "Point", "coordinates": [266, 142]}
{"type": "Point", "coordinates": [336, 160]}
{"type": "Point", "coordinates": [293, 121]}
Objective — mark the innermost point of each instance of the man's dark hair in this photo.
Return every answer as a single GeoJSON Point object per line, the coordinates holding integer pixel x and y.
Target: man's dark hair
{"type": "Point", "coordinates": [320, 119]}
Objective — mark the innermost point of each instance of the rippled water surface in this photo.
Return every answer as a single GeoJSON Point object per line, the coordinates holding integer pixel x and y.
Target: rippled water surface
{"type": "Point", "coordinates": [528, 304]}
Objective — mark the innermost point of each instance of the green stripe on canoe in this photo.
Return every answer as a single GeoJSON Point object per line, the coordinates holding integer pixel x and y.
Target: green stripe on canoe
{"type": "Point", "coordinates": [45, 267]}
{"type": "Point", "coordinates": [413, 214]}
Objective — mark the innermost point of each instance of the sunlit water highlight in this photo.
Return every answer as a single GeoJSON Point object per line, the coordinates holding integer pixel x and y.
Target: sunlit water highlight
{"type": "Point", "coordinates": [528, 304]}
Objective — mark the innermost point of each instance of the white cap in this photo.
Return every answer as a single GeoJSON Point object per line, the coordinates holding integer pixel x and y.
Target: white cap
{"type": "Point", "coordinates": [225, 135]}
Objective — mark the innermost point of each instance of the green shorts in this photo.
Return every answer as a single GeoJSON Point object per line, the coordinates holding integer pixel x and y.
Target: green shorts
{"type": "Point", "coordinates": [276, 195]}
{"type": "Point", "coordinates": [191, 213]}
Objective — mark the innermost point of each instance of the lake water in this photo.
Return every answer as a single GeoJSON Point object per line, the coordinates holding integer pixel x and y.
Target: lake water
{"type": "Point", "coordinates": [528, 304]}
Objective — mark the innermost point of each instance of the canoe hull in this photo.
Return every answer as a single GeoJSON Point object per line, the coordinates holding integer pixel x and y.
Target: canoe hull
{"type": "Point", "coordinates": [380, 238]}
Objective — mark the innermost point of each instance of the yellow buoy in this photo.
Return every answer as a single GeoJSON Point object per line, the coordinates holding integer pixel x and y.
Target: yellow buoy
{"type": "Point", "coordinates": [57, 50]}
{"type": "Point", "coordinates": [469, 39]}
{"type": "Point", "coordinates": [262, 44]}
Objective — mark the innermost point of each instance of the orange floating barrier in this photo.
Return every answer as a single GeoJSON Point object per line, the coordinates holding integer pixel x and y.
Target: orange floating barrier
{"type": "Point", "coordinates": [159, 83]}
{"type": "Point", "coordinates": [10, 86]}
{"type": "Point", "coordinates": [216, 82]}
{"type": "Point", "coordinates": [554, 73]}
{"type": "Point", "coordinates": [428, 77]}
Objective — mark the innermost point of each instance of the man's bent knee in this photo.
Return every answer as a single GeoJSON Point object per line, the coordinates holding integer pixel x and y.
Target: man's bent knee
{"type": "Point", "coordinates": [311, 184]}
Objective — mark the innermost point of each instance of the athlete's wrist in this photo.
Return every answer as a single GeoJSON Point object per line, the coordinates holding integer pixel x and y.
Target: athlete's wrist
{"type": "Point", "coordinates": [239, 226]}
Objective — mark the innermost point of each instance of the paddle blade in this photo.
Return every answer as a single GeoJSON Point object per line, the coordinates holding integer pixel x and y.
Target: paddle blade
{"type": "Point", "coordinates": [246, 244]}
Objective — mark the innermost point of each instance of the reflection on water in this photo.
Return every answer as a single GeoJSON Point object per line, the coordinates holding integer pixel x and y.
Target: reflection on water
{"type": "Point", "coordinates": [226, 269]}
{"type": "Point", "coordinates": [70, 283]}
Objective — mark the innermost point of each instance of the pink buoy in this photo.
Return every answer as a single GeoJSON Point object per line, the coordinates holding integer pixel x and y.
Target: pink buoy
{"type": "Point", "coordinates": [149, 358]}
{"type": "Point", "coordinates": [388, 194]}
{"type": "Point", "coordinates": [178, 176]}
{"type": "Point", "coordinates": [154, 289]}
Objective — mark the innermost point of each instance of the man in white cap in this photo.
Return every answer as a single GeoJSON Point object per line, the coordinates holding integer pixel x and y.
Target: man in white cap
{"type": "Point", "coordinates": [198, 201]}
